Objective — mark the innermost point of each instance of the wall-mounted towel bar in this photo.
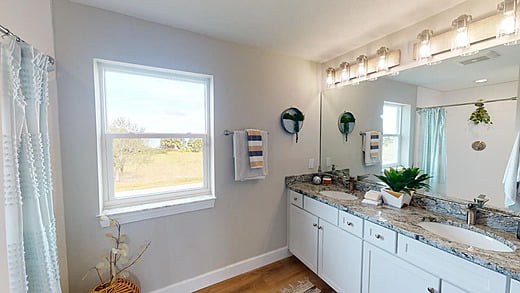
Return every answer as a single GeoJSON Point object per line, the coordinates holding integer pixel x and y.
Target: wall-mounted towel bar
{"type": "Point", "coordinates": [229, 132]}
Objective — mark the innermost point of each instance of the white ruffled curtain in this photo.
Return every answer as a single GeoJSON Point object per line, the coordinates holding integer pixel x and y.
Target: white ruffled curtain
{"type": "Point", "coordinates": [30, 223]}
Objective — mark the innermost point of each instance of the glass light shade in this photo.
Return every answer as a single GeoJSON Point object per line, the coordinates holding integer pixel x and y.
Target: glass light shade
{"type": "Point", "coordinates": [461, 40]}
{"type": "Point", "coordinates": [345, 71]}
{"type": "Point", "coordinates": [424, 47]}
{"type": "Point", "coordinates": [330, 76]}
{"type": "Point", "coordinates": [508, 25]}
{"type": "Point", "coordinates": [382, 59]}
{"type": "Point", "coordinates": [362, 66]}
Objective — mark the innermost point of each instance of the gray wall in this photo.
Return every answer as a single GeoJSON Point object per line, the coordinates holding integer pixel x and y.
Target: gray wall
{"type": "Point", "coordinates": [365, 101]}
{"type": "Point", "coordinates": [252, 87]}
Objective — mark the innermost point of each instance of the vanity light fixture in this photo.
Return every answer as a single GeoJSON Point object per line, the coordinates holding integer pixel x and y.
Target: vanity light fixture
{"type": "Point", "coordinates": [425, 38]}
{"type": "Point", "coordinates": [330, 76]}
{"type": "Point", "coordinates": [508, 25]}
{"type": "Point", "coordinates": [382, 54]}
{"type": "Point", "coordinates": [461, 40]}
{"type": "Point", "coordinates": [345, 71]}
{"type": "Point", "coordinates": [362, 66]}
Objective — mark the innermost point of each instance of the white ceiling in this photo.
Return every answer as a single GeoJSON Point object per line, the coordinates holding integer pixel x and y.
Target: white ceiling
{"type": "Point", "coordinates": [310, 29]}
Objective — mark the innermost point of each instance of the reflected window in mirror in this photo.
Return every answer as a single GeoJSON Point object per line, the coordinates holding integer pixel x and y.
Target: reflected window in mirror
{"type": "Point", "coordinates": [396, 135]}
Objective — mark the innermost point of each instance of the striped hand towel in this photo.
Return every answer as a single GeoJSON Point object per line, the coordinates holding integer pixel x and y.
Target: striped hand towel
{"type": "Point", "coordinates": [375, 138]}
{"type": "Point", "coordinates": [256, 148]}
{"type": "Point", "coordinates": [372, 147]}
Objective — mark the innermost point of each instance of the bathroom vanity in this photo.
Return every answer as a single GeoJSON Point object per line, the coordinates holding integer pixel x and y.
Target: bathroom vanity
{"type": "Point", "coordinates": [360, 248]}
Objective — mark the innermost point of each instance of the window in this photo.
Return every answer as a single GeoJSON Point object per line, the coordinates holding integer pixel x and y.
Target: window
{"type": "Point", "coordinates": [396, 134]}
{"type": "Point", "coordinates": [154, 137]}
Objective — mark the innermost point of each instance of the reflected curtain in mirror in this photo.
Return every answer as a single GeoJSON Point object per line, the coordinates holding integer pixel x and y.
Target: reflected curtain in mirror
{"type": "Point", "coordinates": [432, 147]}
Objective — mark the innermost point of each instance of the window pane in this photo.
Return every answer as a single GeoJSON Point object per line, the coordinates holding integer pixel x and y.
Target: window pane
{"type": "Point", "coordinates": [145, 166]}
{"type": "Point", "coordinates": [391, 119]}
{"type": "Point", "coordinates": [155, 104]}
{"type": "Point", "coordinates": [390, 151]}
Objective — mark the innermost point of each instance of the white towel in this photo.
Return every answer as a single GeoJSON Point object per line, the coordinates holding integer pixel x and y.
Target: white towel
{"type": "Point", "coordinates": [243, 170]}
{"type": "Point", "coordinates": [512, 175]}
{"type": "Point", "coordinates": [373, 195]}
{"type": "Point", "coordinates": [372, 202]}
{"type": "Point", "coordinates": [372, 147]}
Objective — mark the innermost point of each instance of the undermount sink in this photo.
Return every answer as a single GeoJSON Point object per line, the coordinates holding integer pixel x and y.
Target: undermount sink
{"type": "Point", "coordinates": [465, 236]}
{"type": "Point", "coordinates": [338, 195]}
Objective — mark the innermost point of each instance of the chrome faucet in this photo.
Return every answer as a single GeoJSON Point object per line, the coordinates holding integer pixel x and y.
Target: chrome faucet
{"type": "Point", "coordinates": [351, 184]}
{"type": "Point", "coordinates": [471, 213]}
{"type": "Point", "coordinates": [481, 200]}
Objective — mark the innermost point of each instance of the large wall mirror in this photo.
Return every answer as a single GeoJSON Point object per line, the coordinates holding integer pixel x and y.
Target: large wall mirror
{"type": "Point", "coordinates": [404, 108]}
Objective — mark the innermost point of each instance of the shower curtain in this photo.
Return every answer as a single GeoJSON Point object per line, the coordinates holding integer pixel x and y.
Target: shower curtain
{"type": "Point", "coordinates": [432, 147]}
{"type": "Point", "coordinates": [27, 184]}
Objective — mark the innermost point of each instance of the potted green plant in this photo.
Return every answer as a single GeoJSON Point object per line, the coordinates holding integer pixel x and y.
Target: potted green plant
{"type": "Point", "coordinates": [401, 185]}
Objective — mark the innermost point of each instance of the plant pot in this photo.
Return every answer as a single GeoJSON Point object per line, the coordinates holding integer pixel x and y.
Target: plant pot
{"type": "Point", "coordinates": [395, 199]}
{"type": "Point", "coordinates": [119, 286]}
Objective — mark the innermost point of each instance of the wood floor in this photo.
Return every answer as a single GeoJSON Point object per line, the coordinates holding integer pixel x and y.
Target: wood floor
{"type": "Point", "coordinates": [270, 278]}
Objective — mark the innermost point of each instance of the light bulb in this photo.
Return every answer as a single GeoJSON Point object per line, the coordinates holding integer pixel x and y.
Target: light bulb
{"type": "Point", "coordinates": [330, 76]}
{"type": "Point", "coordinates": [345, 71]}
{"type": "Point", "coordinates": [424, 52]}
{"type": "Point", "coordinates": [362, 66]}
{"type": "Point", "coordinates": [382, 64]}
{"type": "Point", "coordinates": [461, 40]}
{"type": "Point", "coordinates": [508, 26]}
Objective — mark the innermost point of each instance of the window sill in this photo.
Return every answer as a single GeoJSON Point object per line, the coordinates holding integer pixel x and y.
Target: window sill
{"type": "Point", "coordinates": [154, 210]}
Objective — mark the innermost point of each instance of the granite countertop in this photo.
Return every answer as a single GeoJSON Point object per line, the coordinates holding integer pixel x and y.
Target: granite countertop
{"type": "Point", "coordinates": [406, 220]}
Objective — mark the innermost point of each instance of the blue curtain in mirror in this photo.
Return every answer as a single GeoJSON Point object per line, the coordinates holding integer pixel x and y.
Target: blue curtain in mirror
{"type": "Point", "coordinates": [432, 147]}
{"type": "Point", "coordinates": [30, 222]}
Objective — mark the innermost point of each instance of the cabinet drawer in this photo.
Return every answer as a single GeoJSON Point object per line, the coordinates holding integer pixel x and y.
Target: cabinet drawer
{"type": "Point", "coordinates": [351, 223]}
{"type": "Point", "coordinates": [467, 276]}
{"type": "Point", "coordinates": [380, 236]}
{"type": "Point", "coordinates": [515, 286]}
{"type": "Point", "coordinates": [295, 198]}
{"type": "Point", "coordinates": [322, 210]}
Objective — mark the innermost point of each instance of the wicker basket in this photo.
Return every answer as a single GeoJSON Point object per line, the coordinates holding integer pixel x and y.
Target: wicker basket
{"type": "Point", "coordinates": [119, 286]}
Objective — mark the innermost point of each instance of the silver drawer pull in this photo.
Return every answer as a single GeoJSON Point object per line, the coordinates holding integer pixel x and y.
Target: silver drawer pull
{"type": "Point", "coordinates": [320, 228]}
{"type": "Point", "coordinates": [315, 225]}
{"type": "Point", "coordinates": [431, 290]}
{"type": "Point", "coordinates": [350, 224]}
{"type": "Point", "coordinates": [379, 236]}
{"type": "Point", "coordinates": [295, 198]}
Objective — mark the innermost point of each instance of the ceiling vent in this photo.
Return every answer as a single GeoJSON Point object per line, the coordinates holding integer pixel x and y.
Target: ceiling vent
{"type": "Point", "coordinates": [488, 56]}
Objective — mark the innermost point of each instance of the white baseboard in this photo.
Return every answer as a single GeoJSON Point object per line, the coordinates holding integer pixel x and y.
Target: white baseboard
{"type": "Point", "coordinates": [226, 272]}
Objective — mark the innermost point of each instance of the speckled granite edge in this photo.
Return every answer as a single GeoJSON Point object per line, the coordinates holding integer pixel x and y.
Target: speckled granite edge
{"type": "Point", "coordinates": [424, 208]}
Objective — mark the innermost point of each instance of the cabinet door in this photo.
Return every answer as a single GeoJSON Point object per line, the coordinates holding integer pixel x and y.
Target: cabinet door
{"type": "Point", "coordinates": [515, 286]}
{"type": "Point", "coordinates": [303, 236]}
{"type": "Point", "coordinates": [449, 288]}
{"type": "Point", "coordinates": [339, 260]}
{"type": "Point", "coordinates": [384, 272]}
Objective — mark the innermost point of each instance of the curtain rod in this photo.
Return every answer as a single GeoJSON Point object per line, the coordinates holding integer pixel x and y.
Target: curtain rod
{"type": "Point", "coordinates": [468, 103]}
{"type": "Point", "coordinates": [7, 32]}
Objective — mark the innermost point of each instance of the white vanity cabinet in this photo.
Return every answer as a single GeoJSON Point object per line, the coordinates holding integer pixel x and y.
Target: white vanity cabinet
{"type": "Point", "coordinates": [303, 236]}
{"type": "Point", "coordinates": [384, 272]}
{"type": "Point", "coordinates": [332, 253]}
{"type": "Point", "coordinates": [515, 286]}
{"type": "Point", "coordinates": [458, 275]}
{"type": "Point", "coordinates": [339, 259]}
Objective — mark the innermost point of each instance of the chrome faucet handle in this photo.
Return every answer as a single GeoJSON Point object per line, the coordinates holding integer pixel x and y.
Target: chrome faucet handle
{"type": "Point", "coordinates": [481, 200]}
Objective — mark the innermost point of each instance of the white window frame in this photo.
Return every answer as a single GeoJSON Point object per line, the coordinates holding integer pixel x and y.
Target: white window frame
{"type": "Point", "coordinates": [160, 203]}
{"type": "Point", "coordinates": [397, 135]}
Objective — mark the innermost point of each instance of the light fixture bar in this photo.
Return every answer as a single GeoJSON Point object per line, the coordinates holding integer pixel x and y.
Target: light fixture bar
{"type": "Point", "coordinates": [479, 31]}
